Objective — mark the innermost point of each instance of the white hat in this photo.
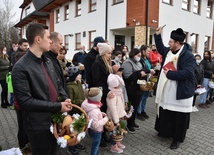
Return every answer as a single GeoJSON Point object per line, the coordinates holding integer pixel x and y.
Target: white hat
{"type": "Point", "coordinates": [114, 81]}
{"type": "Point", "coordinates": [103, 48]}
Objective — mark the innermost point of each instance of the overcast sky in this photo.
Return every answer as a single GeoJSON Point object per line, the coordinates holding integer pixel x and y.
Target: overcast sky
{"type": "Point", "coordinates": [15, 9]}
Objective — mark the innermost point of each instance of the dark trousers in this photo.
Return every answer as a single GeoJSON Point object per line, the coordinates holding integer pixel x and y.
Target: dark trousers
{"type": "Point", "coordinates": [42, 142]}
{"type": "Point", "coordinates": [22, 136]}
{"type": "Point", "coordinates": [194, 99]}
{"type": "Point", "coordinates": [135, 100]}
{"type": "Point", "coordinates": [4, 92]}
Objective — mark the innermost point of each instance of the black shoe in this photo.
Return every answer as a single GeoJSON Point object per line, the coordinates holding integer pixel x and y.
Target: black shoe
{"type": "Point", "coordinates": [79, 147]}
{"type": "Point", "coordinates": [7, 103]}
{"type": "Point", "coordinates": [103, 143]}
{"type": "Point", "coordinates": [136, 126]}
{"type": "Point", "coordinates": [131, 130]}
{"type": "Point", "coordinates": [3, 106]}
{"type": "Point", "coordinates": [211, 99]}
{"type": "Point", "coordinates": [174, 145]}
{"type": "Point", "coordinates": [144, 114]}
{"type": "Point", "coordinates": [73, 151]}
{"type": "Point", "coordinates": [140, 117]}
{"type": "Point", "coordinates": [208, 102]}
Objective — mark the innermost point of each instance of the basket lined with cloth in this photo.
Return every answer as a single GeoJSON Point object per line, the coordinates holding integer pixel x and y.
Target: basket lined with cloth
{"type": "Point", "coordinates": [145, 85]}
{"type": "Point", "coordinates": [72, 130]}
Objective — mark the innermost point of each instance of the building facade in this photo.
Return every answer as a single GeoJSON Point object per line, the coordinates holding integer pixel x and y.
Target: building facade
{"type": "Point", "coordinates": [122, 22]}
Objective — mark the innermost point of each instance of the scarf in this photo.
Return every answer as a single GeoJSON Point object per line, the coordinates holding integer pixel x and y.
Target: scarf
{"type": "Point", "coordinates": [99, 104]}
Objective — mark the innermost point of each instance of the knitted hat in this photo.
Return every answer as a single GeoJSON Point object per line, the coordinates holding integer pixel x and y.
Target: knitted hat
{"type": "Point", "coordinates": [103, 48]}
{"type": "Point", "coordinates": [114, 81]}
{"type": "Point", "coordinates": [73, 72]}
{"type": "Point", "coordinates": [94, 94]}
{"type": "Point", "coordinates": [178, 35]}
{"type": "Point", "coordinates": [116, 68]}
{"type": "Point", "coordinates": [98, 40]}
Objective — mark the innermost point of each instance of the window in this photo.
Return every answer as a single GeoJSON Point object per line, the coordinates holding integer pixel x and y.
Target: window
{"type": "Point", "coordinates": [167, 1]}
{"type": "Point", "coordinates": [92, 5]}
{"type": "Point", "coordinates": [27, 11]}
{"type": "Point", "coordinates": [91, 38]}
{"type": "Point", "coordinates": [194, 42]}
{"type": "Point", "coordinates": [66, 12]}
{"type": "Point", "coordinates": [196, 6]}
{"type": "Point", "coordinates": [66, 42]}
{"type": "Point", "coordinates": [78, 40]}
{"type": "Point", "coordinates": [209, 9]}
{"type": "Point", "coordinates": [187, 37]}
{"type": "Point", "coordinates": [186, 5]}
{"type": "Point", "coordinates": [78, 8]}
{"type": "Point", "coordinates": [206, 43]}
{"type": "Point", "coordinates": [117, 1]}
{"type": "Point", "coordinates": [57, 16]}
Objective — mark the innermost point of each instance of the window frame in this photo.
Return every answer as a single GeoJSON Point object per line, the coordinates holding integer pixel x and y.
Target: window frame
{"type": "Point", "coordinates": [114, 2]}
{"type": "Point", "coordinates": [194, 48]}
{"type": "Point", "coordinates": [77, 43]}
{"type": "Point", "coordinates": [208, 46]}
{"type": "Point", "coordinates": [211, 10]}
{"type": "Point", "coordinates": [90, 39]}
{"type": "Point", "coordinates": [66, 41]}
{"type": "Point", "coordinates": [169, 3]}
{"type": "Point", "coordinates": [187, 37]}
{"type": "Point", "coordinates": [91, 4]}
{"type": "Point", "coordinates": [188, 5]}
{"type": "Point", "coordinates": [199, 7]}
{"type": "Point", "coordinates": [57, 16]}
{"type": "Point", "coordinates": [27, 10]}
{"type": "Point", "coordinates": [66, 14]}
{"type": "Point", "coordinates": [78, 10]}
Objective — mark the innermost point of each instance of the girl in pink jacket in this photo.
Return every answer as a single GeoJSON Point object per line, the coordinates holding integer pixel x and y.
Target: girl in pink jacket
{"type": "Point", "coordinates": [92, 106]}
{"type": "Point", "coordinates": [116, 107]}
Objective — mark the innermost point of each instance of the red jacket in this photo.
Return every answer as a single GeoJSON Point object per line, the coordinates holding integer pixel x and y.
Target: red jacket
{"type": "Point", "coordinates": [155, 57]}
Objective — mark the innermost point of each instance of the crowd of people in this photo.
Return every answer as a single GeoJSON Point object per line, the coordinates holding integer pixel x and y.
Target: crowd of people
{"type": "Point", "coordinates": [104, 82]}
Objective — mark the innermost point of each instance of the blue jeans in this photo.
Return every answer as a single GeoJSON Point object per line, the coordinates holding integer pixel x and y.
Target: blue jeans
{"type": "Point", "coordinates": [203, 96]}
{"type": "Point", "coordinates": [96, 138]}
{"type": "Point", "coordinates": [142, 106]}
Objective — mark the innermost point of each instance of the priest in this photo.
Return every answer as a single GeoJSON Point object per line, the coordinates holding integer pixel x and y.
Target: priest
{"type": "Point", "coordinates": [175, 87]}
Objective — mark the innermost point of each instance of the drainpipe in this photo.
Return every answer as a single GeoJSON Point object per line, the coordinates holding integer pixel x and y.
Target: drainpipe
{"type": "Point", "coordinates": [106, 20]}
{"type": "Point", "coordinates": [147, 20]}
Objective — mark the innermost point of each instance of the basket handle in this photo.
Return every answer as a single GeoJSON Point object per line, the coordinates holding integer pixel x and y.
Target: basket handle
{"type": "Point", "coordinates": [74, 106]}
{"type": "Point", "coordinates": [82, 110]}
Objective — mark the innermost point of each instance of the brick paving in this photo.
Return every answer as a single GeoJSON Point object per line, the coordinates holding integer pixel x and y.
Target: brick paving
{"type": "Point", "coordinates": [199, 139]}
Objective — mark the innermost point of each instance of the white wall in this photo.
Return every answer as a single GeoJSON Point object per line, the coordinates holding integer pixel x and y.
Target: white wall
{"type": "Point", "coordinates": [91, 21]}
{"type": "Point", "coordinates": [31, 9]}
{"type": "Point", "coordinates": [174, 17]}
{"type": "Point", "coordinates": [86, 22]}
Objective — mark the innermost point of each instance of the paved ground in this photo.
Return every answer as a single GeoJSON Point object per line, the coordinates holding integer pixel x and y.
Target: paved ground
{"type": "Point", "coordinates": [199, 139]}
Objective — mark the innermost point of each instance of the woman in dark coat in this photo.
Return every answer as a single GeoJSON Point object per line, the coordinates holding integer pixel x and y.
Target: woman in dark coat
{"type": "Point", "coordinates": [132, 72]}
{"type": "Point", "coordinates": [4, 65]}
{"type": "Point", "coordinates": [208, 74]}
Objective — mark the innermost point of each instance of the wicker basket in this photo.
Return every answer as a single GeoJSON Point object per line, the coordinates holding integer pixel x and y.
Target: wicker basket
{"type": "Point", "coordinates": [154, 79]}
{"type": "Point", "coordinates": [109, 126]}
{"type": "Point", "coordinates": [117, 138]}
{"type": "Point", "coordinates": [147, 87]}
{"type": "Point", "coordinates": [66, 131]}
